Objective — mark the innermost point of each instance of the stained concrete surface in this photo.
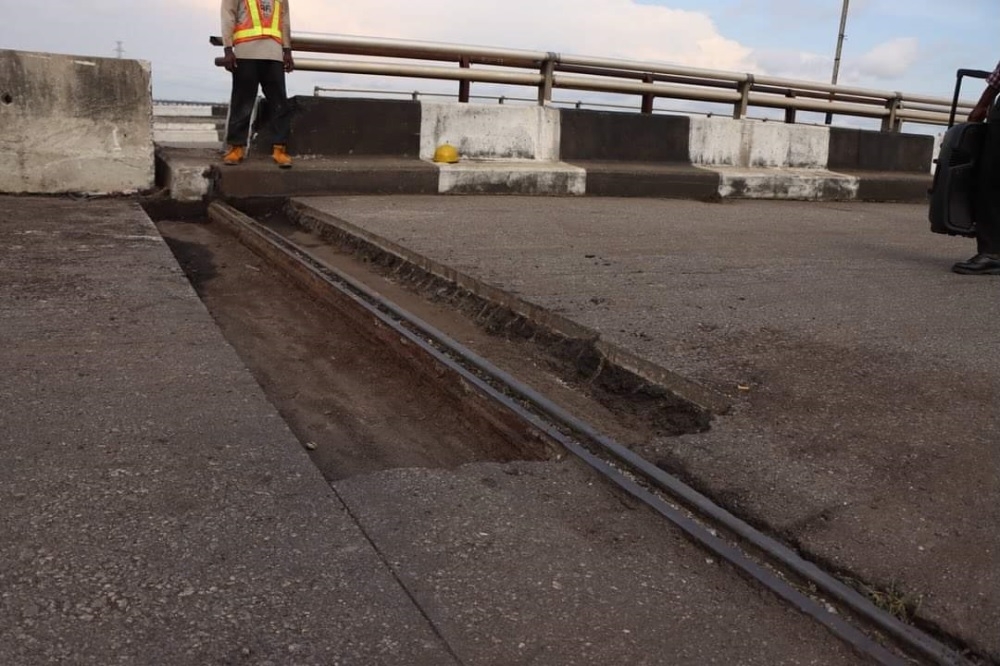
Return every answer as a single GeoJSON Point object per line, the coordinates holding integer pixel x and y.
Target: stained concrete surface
{"type": "Point", "coordinates": [75, 124]}
{"type": "Point", "coordinates": [541, 563]}
{"type": "Point", "coordinates": [514, 563]}
{"type": "Point", "coordinates": [865, 374]}
{"type": "Point", "coordinates": [154, 507]}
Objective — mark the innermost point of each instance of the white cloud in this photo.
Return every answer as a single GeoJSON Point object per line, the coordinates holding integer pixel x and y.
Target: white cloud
{"type": "Point", "coordinates": [888, 60]}
{"type": "Point", "coordinates": [794, 64]}
{"type": "Point", "coordinates": [612, 28]}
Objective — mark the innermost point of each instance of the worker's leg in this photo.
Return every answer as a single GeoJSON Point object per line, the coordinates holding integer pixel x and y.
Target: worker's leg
{"type": "Point", "coordinates": [246, 80]}
{"type": "Point", "coordinates": [272, 81]}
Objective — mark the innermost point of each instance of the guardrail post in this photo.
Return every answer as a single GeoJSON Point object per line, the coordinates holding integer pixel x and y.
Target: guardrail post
{"type": "Point", "coordinates": [548, 79]}
{"type": "Point", "coordinates": [464, 87]}
{"type": "Point", "coordinates": [647, 98]}
{"type": "Point", "coordinates": [891, 123]}
{"type": "Point", "coordinates": [790, 111]}
{"type": "Point", "coordinates": [740, 109]}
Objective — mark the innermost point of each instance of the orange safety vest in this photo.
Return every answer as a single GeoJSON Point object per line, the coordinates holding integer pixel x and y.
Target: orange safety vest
{"type": "Point", "coordinates": [253, 26]}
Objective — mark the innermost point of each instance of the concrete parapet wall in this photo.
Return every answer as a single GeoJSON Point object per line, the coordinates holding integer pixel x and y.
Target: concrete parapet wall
{"type": "Point", "coordinates": [632, 137]}
{"type": "Point", "coordinates": [854, 149]}
{"type": "Point", "coordinates": [491, 132]}
{"type": "Point", "coordinates": [538, 150]}
{"type": "Point", "coordinates": [74, 124]}
{"type": "Point", "coordinates": [333, 127]}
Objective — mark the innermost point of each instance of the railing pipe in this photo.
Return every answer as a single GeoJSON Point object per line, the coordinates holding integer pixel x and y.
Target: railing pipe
{"type": "Point", "coordinates": [903, 104]}
{"type": "Point", "coordinates": [657, 89]}
{"type": "Point", "coordinates": [379, 46]}
{"type": "Point", "coordinates": [417, 71]}
{"type": "Point", "coordinates": [652, 67]}
{"type": "Point", "coordinates": [819, 106]}
{"type": "Point", "coordinates": [779, 82]}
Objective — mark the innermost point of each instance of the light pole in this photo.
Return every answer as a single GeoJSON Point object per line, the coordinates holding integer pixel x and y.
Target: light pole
{"type": "Point", "coordinates": [840, 48]}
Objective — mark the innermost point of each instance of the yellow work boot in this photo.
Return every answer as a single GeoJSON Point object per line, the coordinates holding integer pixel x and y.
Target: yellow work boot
{"type": "Point", "coordinates": [233, 156]}
{"type": "Point", "coordinates": [280, 156]}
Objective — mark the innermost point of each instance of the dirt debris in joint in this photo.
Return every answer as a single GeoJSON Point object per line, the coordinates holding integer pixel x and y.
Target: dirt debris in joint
{"type": "Point", "coordinates": [358, 405]}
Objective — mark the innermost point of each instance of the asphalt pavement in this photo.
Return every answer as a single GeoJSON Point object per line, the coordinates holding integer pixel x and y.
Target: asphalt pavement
{"type": "Point", "coordinates": [156, 509]}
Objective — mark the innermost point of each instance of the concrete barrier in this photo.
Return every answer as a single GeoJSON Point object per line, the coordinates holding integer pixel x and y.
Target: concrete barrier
{"type": "Point", "coordinates": [888, 166]}
{"type": "Point", "coordinates": [538, 150]}
{"type": "Point", "coordinates": [331, 127]}
{"type": "Point", "coordinates": [770, 160]}
{"type": "Point", "coordinates": [754, 144]}
{"type": "Point", "coordinates": [490, 132]}
{"type": "Point", "coordinates": [763, 160]}
{"type": "Point", "coordinates": [74, 124]}
{"type": "Point", "coordinates": [623, 137]}
{"type": "Point", "coordinates": [633, 155]}
{"type": "Point", "coordinates": [505, 149]}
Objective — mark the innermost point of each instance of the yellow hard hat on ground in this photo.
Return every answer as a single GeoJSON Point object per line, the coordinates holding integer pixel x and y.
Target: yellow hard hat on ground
{"type": "Point", "coordinates": [446, 154]}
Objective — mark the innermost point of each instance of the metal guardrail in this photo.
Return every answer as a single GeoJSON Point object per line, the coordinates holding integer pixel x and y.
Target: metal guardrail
{"type": "Point", "coordinates": [550, 71]}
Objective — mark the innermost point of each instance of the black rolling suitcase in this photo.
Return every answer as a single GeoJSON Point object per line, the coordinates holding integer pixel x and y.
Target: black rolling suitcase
{"type": "Point", "coordinates": [953, 189]}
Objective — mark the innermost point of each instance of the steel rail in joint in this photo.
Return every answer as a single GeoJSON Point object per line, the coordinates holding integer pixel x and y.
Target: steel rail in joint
{"type": "Point", "coordinates": [446, 350]}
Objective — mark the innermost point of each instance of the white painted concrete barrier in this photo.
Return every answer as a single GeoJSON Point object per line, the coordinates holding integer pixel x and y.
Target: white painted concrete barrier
{"type": "Point", "coordinates": [755, 144]}
{"type": "Point", "coordinates": [491, 132]}
{"type": "Point", "coordinates": [765, 160]}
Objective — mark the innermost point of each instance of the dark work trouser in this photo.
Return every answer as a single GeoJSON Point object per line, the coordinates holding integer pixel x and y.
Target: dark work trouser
{"type": "Point", "coordinates": [988, 189]}
{"type": "Point", "coordinates": [268, 75]}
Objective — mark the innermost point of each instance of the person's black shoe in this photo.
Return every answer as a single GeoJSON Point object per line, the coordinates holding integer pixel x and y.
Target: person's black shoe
{"type": "Point", "coordinates": [981, 264]}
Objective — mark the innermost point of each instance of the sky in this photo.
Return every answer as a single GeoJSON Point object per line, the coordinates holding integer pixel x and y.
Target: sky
{"type": "Point", "coordinates": [914, 46]}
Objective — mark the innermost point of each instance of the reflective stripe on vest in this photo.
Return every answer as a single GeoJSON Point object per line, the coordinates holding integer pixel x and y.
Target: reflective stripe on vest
{"type": "Point", "coordinates": [253, 27]}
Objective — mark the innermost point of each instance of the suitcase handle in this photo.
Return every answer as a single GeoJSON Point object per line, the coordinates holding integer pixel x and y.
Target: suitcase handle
{"type": "Point", "coordinates": [972, 74]}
